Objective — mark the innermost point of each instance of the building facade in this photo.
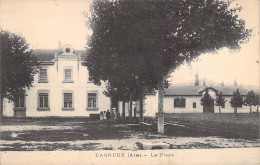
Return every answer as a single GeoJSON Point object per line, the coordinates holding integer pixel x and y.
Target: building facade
{"type": "Point", "coordinates": [61, 88]}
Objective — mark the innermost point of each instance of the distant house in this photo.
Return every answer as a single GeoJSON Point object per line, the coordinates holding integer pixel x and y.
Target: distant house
{"type": "Point", "coordinates": [187, 99]}
{"type": "Point", "coordinates": [63, 87]}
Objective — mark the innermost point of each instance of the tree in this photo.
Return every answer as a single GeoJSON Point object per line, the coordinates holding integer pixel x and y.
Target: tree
{"type": "Point", "coordinates": [236, 100]}
{"type": "Point", "coordinates": [220, 101]}
{"type": "Point", "coordinates": [251, 99]}
{"type": "Point", "coordinates": [18, 66]}
{"type": "Point", "coordinates": [206, 101]}
{"type": "Point", "coordinates": [150, 39]}
{"type": "Point", "coordinates": [257, 103]}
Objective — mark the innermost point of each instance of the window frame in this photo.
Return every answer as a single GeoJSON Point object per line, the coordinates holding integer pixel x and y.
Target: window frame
{"type": "Point", "coordinates": [71, 74]}
{"type": "Point", "coordinates": [19, 107]}
{"type": "Point", "coordinates": [38, 102]}
{"type": "Point", "coordinates": [178, 105]}
{"type": "Point", "coordinates": [63, 95]}
{"type": "Point", "coordinates": [92, 108]}
{"type": "Point", "coordinates": [43, 80]}
{"type": "Point", "coordinates": [89, 76]}
{"type": "Point", "coordinates": [194, 105]}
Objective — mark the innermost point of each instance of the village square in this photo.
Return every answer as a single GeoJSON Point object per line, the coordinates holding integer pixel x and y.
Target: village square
{"type": "Point", "coordinates": [126, 86]}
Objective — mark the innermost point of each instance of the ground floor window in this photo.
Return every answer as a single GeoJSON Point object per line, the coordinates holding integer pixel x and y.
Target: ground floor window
{"type": "Point", "coordinates": [179, 102]}
{"type": "Point", "coordinates": [223, 105]}
{"type": "Point", "coordinates": [43, 101]}
{"type": "Point", "coordinates": [194, 105]}
{"type": "Point", "coordinates": [20, 102]}
{"type": "Point", "coordinates": [92, 101]}
{"type": "Point", "coordinates": [68, 100]}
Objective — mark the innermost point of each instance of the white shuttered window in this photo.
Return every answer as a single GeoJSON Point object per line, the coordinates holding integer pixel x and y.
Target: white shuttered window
{"type": "Point", "coordinates": [68, 74]}
{"type": "Point", "coordinates": [43, 75]}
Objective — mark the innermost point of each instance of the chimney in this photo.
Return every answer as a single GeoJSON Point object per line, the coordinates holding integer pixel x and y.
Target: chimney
{"type": "Point", "coordinates": [59, 45]}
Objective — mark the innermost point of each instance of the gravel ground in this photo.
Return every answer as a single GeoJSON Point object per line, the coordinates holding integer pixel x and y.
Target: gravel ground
{"type": "Point", "coordinates": [81, 134]}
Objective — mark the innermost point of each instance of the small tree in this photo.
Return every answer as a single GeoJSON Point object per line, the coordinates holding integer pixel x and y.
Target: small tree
{"type": "Point", "coordinates": [251, 99]}
{"type": "Point", "coordinates": [236, 100]}
{"type": "Point", "coordinates": [18, 66]}
{"type": "Point", "coordinates": [206, 101]}
{"type": "Point", "coordinates": [257, 103]}
{"type": "Point", "coordinates": [220, 101]}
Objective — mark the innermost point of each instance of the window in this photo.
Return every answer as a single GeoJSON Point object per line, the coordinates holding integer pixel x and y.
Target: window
{"type": "Point", "coordinates": [68, 101]}
{"type": "Point", "coordinates": [90, 77]}
{"type": "Point", "coordinates": [223, 105]}
{"type": "Point", "coordinates": [179, 102]}
{"type": "Point", "coordinates": [19, 103]}
{"type": "Point", "coordinates": [92, 101]}
{"type": "Point", "coordinates": [43, 103]}
{"type": "Point", "coordinates": [43, 76]}
{"type": "Point", "coordinates": [194, 105]}
{"type": "Point", "coordinates": [68, 75]}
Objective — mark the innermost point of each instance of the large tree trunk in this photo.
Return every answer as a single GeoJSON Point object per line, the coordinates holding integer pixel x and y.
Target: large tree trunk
{"type": "Point", "coordinates": [141, 115]}
{"type": "Point", "coordinates": [219, 109]}
{"type": "Point", "coordinates": [250, 109]}
{"type": "Point", "coordinates": [160, 108]}
{"type": "Point", "coordinates": [235, 110]}
{"type": "Point", "coordinates": [123, 111]}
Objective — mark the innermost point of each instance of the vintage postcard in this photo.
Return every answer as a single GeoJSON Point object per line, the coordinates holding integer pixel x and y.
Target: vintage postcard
{"type": "Point", "coordinates": [130, 82]}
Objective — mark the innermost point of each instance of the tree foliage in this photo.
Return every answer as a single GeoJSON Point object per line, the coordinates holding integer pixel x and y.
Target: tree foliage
{"type": "Point", "coordinates": [220, 100]}
{"type": "Point", "coordinates": [146, 40]}
{"type": "Point", "coordinates": [251, 99]}
{"type": "Point", "coordinates": [18, 65]}
{"type": "Point", "coordinates": [206, 100]}
{"type": "Point", "coordinates": [236, 100]}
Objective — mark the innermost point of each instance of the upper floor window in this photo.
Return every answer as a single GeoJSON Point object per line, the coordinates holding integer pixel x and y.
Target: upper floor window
{"type": "Point", "coordinates": [68, 75]}
{"type": "Point", "coordinates": [43, 78]}
{"type": "Point", "coordinates": [90, 77]}
{"type": "Point", "coordinates": [179, 102]}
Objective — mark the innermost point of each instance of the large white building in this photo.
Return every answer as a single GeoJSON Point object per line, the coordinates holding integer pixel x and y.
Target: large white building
{"type": "Point", "coordinates": [61, 88]}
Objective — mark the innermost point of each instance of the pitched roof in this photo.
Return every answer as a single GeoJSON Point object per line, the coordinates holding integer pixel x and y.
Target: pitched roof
{"type": "Point", "coordinates": [49, 54]}
{"type": "Point", "coordinates": [195, 90]}
{"type": "Point", "coordinates": [182, 91]}
{"type": "Point", "coordinates": [45, 54]}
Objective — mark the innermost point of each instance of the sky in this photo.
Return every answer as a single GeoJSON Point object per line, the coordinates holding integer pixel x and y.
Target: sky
{"type": "Point", "coordinates": [45, 22]}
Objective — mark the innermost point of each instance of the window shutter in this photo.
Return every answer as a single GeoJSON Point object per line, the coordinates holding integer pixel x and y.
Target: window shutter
{"type": "Point", "coordinates": [67, 97]}
{"type": "Point", "coordinates": [43, 74]}
{"type": "Point", "coordinates": [67, 74]}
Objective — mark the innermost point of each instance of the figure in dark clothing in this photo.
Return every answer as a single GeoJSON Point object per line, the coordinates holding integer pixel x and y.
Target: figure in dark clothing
{"type": "Point", "coordinates": [108, 115]}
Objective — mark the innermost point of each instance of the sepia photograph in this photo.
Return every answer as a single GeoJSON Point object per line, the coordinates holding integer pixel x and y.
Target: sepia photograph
{"type": "Point", "coordinates": [129, 82]}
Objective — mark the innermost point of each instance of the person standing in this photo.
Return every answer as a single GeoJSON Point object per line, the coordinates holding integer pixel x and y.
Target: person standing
{"type": "Point", "coordinates": [101, 116]}
{"type": "Point", "coordinates": [108, 115]}
{"type": "Point", "coordinates": [105, 116]}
